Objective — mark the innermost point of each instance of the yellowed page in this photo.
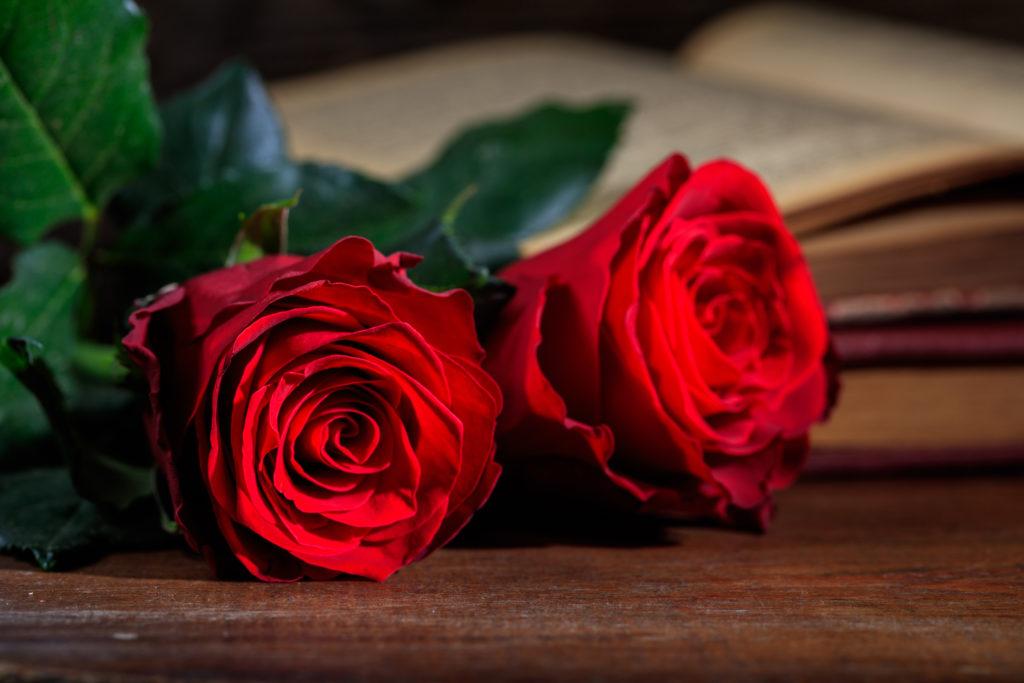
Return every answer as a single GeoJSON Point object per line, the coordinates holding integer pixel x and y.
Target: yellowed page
{"type": "Point", "coordinates": [915, 71]}
{"type": "Point", "coordinates": [912, 228]}
{"type": "Point", "coordinates": [391, 116]}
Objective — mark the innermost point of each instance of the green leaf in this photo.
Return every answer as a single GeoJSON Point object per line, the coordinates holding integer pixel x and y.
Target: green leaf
{"type": "Point", "coordinates": [195, 235]}
{"type": "Point", "coordinates": [225, 155]}
{"type": "Point", "coordinates": [97, 476]}
{"type": "Point", "coordinates": [222, 128]}
{"type": "Point", "coordinates": [219, 131]}
{"type": "Point", "coordinates": [77, 118]}
{"type": "Point", "coordinates": [39, 302]}
{"type": "Point", "coordinates": [41, 513]}
{"type": "Point", "coordinates": [37, 316]}
{"type": "Point", "coordinates": [445, 263]}
{"type": "Point", "coordinates": [22, 356]}
{"type": "Point", "coordinates": [337, 203]}
{"type": "Point", "coordinates": [529, 171]}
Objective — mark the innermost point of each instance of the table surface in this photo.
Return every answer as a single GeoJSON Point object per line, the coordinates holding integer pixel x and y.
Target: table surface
{"type": "Point", "coordinates": [895, 579]}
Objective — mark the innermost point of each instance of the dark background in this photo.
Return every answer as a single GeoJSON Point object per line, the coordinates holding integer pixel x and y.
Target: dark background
{"type": "Point", "coordinates": [283, 38]}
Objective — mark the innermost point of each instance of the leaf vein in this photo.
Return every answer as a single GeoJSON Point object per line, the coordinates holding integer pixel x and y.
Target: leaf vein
{"type": "Point", "coordinates": [57, 64]}
{"type": "Point", "coordinates": [49, 142]}
{"type": "Point", "coordinates": [91, 99]}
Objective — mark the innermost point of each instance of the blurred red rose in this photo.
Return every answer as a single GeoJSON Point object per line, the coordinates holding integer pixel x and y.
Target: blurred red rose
{"type": "Point", "coordinates": [674, 351]}
{"type": "Point", "coordinates": [317, 416]}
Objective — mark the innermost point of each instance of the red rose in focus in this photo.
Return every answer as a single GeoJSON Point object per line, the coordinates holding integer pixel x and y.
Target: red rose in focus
{"type": "Point", "coordinates": [317, 416]}
{"type": "Point", "coordinates": [673, 352]}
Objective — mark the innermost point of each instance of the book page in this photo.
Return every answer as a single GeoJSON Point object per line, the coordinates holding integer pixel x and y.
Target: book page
{"type": "Point", "coordinates": [943, 407]}
{"type": "Point", "coordinates": [920, 72]}
{"type": "Point", "coordinates": [970, 247]}
{"type": "Point", "coordinates": [389, 117]}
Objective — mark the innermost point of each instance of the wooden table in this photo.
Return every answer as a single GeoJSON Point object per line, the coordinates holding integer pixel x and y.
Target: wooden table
{"type": "Point", "coordinates": [919, 579]}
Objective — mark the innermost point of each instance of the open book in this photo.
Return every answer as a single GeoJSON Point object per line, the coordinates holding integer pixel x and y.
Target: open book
{"type": "Point", "coordinates": [896, 154]}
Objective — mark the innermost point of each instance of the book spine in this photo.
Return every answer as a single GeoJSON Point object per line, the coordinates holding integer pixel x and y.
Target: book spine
{"type": "Point", "coordinates": [870, 309]}
{"type": "Point", "coordinates": [853, 462]}
{"type": "Point", "coordinates": [970, 341]}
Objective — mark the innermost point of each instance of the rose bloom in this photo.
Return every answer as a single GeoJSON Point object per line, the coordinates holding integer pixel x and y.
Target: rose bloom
{"type": "Point", "coordinates": [670, 356]}
{"type": "Point", "coordinates": [317, 416]}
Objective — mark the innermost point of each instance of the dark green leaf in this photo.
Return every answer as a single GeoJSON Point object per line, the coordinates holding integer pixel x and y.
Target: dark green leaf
{"type": "Point", "coordinates": [337, 202]}
{"type": "Point", "coordinates": [196, 235]}
{"type": "Point", "coordinates": [445, 264]}
{"type": "Point", "coordinates": [225, 156]}
{"type": "Point", "coordinates": [529, 172]}
{"type": "Point", "coordinates": [41, 513]}
{"type": "Point", "coordinates": [38, 302]}
{"type": "Point", "coordinates": [77, 118]}
{"type": "Point", "coordinates": [97, 477]}
{"type": "Point", "coordinates": [222, 130]}
{"type": "Point", "coordinates": [22, 356]}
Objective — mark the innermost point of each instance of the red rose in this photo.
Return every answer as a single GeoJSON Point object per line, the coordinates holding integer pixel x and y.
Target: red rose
{"type": "Point", "coordinates": [317, 416]}
{"type": "Point", "coordinates": [673, 351]}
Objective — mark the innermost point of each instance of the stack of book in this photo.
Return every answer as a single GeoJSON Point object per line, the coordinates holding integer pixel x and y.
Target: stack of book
{"type": "Point", "coordinates": [925, 294]}
{"type": "Point", "coordinates": [896, 154]}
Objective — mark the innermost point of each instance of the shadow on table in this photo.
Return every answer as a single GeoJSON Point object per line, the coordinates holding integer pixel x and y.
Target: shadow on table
{"type": "Point", "coordinates": [525, 511]}
{"type": "Point", "coordinates": [543, 523]}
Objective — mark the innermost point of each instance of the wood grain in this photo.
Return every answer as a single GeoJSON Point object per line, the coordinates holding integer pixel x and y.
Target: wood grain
{"type": "Point", "coordinates": [919, 579]}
